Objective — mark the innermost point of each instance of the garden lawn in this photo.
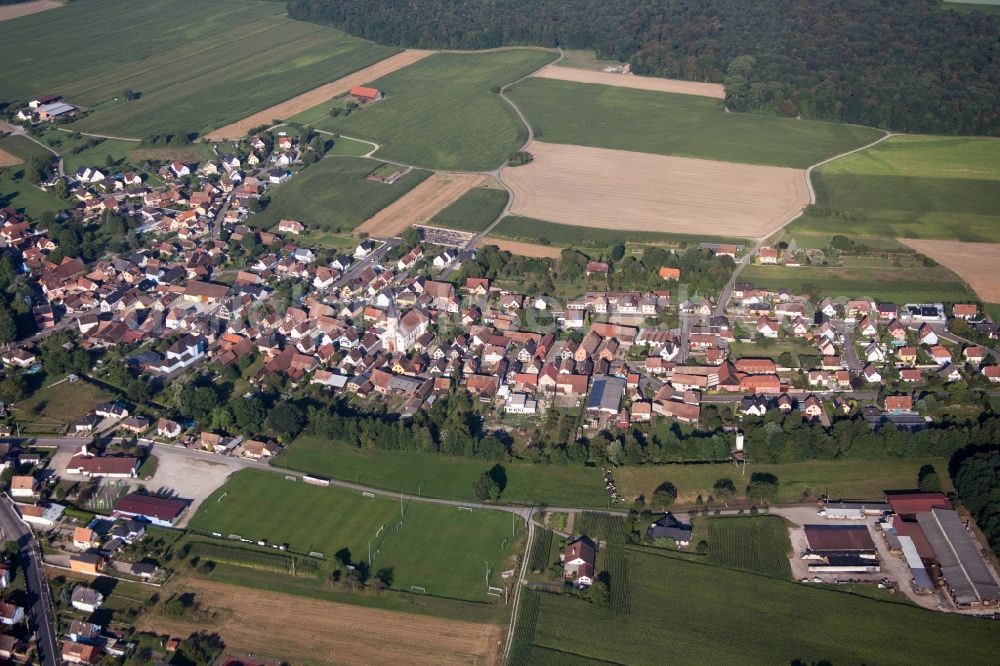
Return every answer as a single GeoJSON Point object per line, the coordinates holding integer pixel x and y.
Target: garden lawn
{"type": "Point", "coordinates": [334, 195]}
{"type": "Point", "coordinates": [440, 112]}
{"type": "Point", "coordinates": [887, 282]}
{"type": "Point", "coordinates": [837, 479]}
{"type": "Point", "coordinates": [541, 232]}
{"type": "Point", "coordinates": [442, 476]}
{"type": "Point", "coordinates": [64, 402]}
{"type": "Point", "coordinates": [672, 124]}
{"type": "Point", "coordinates": [474, 210]}
{"type": "Point", "coordinates": [439, 548]}
{"type": "Point", "coordinates": [722, 616]}
{"type": "Point", "coordinates": [914, 187]}
{"type": "Point", "coordinates": [196, 65]}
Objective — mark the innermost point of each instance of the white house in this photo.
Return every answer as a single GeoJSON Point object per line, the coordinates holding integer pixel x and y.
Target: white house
{"type": "Point", "coordinates": [86, 599]}
{"type": "Point", "coordinates": [520, 403]}
{"type": "Point", "coordinates": [11, 614]}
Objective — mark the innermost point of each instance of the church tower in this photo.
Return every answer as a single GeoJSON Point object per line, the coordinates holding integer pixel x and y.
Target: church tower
{"type": "Point", "coordinates": [391, 326]}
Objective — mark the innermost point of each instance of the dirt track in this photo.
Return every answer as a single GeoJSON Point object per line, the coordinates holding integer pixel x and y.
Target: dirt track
{"type": "Point", "coordinates": [561, 73]}
{"type": "Point", "coordinates": [6, 159]}
{"type": "Point", "coordinates": [300, 630]}
{"type": "Point", "coordinates": [976, 263]}
{"type": "Point", "coordinates": [316, 96]}
{"type": "Point", "coordinates": [611, 189]}
{"type": "Point", "coordinates": [421, 203]}
{"type": "Point", "coordinates": [8, 12]}
{"type": "Point", "coordinates": [523, 249]}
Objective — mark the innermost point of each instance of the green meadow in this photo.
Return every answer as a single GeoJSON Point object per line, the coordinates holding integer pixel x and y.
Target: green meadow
{"type": "Point", "coordinates": [334, 195]}
{"type": "Point", "coordinates": [442, 113]}
{"type": "Point", "coordinates": [671, 124]}
{"type": "Point", "coordinates": [913, 187]}
{"type": "Point", "coordinates": [16, 189]}
{"type": "Point", "coordinates": [514, 227]}
{"type": "Point", "coordinates": [439, 548]}
{"type": "Point", "coordinates": [473, 211]}
{"type": "Point", "coordinates": [689, 612]}
{"type": "Point", "coordinates": [195, 65]}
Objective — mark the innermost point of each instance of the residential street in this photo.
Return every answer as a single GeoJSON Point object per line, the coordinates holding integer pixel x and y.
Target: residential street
{"type": "Point", "coordinates": [40, 611]}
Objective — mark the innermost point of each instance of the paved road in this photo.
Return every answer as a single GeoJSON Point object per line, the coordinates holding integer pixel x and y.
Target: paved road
{"type": "Point", "coordinates": [39, 600]}
{"type": "Point", "coordinates": [727, 291]}
{"type": "Point", "coordinates": [850, 351]}
{"type": "Point", "coordinates": [496, 172]}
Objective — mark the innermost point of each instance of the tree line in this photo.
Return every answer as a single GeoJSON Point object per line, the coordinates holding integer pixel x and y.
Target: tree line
{"type": "Point", "coordinates": [905, 65]}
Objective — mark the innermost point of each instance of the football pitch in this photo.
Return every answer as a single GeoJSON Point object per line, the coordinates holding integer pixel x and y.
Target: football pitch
{"type": "Point", "coordinates": [443, 550]}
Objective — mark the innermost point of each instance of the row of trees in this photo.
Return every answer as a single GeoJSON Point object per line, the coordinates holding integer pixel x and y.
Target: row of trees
{"type": "Point", "coordinates": [909, 66]}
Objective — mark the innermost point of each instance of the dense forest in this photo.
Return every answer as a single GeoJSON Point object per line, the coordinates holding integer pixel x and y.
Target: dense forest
{"type": "Point", "coordinates": [977, 481]}
{"type": "Point", "coordinates": [906, 65]}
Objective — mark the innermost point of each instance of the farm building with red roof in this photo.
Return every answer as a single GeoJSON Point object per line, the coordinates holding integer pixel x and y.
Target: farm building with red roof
{"type": "Point", "coordinates": [366, 94]}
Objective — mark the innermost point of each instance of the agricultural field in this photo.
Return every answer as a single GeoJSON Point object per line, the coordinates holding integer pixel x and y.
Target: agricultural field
{"type": "Point", "coordinates": [929, 187]}
{"type": "Point", "coordinates": [438, 548]}
{"type": "Point", "coordinates": [474, 211]}
{"type": "Point", "coordinates": [842, 478]}
{"type": "Point", "coordinates": [757, 544]}
{"type": "Point", "coordinates": [911, 284]}
{"type": "Point", "coordinates": [257, 622]}
{"type": "Point", "coordinates": [444, 476]}
{"type": "Point", "coordinates": [440, 112]}
{"type": "Point", "coordinates": [195, 65]}
{"type": "Point", "coordinates": [596, 187]}
{"type": "Point", "coordinates": [976, 263]}
{"type": "Point", "coordinates": [315, 97]}
{"type": "Point", "coordinates": [723, 616]}
{"type": "Point", "coordinates": [680, 125]}
{"type": "Point", "coordinates": [8, 12]}
{"type": "Point", "coordinates": [540, 232]}
{"type": "Point", "coordinates": [421, 203]}
{"type": "Point", "coordinates": [581, 75]}
{"type": "Point", "coordinates": [334, 195]}
{"type": "Point", "coordinates": [522, 249]}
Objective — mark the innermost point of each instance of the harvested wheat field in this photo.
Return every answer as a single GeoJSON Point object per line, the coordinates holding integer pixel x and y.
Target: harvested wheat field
{"type": "Point", "coordinates": [316, 96]}
{"type": "Point", "coordinates": [976, 263]}
{"type": "Point", "coordinates": [716, 90]}
{"type": "Point", "coordinates": [328, 632]}
{"type": "Point", "coordinates": [421, 203]}
{"type": "Point", "coordinates": [523, 249]}
{"type": "Point", "coordinates": [6, 159]}
{"type": "Point", "coordinates": [614, 189]}
{"type": "Point", "coordinates": [8, 12]}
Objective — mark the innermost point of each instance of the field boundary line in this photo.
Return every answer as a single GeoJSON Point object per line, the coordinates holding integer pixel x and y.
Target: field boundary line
{"type": "Point", "coordinates": [519, 587]}
{"type": "Point", "coordinates": [813, 167]}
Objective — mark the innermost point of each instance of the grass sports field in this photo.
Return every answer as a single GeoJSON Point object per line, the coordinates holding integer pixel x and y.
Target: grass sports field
{"type": "Point", "coordinates": [444, 476]}
{"type": "Point", "coordinates": [440, 112]}
{"type": "Point", "coordinates": [531, 230]}
{"type": "Point", "coordinates": [722, 616]}
{"type": "Point", "coordinates": [439, 548]}
{"type": "Point", "coordinates": [334, 195]}
{"type": "Point", "coordinates": [474, 211]}
{"type": "Point", "coordinates": [196, 65]}
{"type": "Point", "coordinates": [914, 187]}
{"type": "Point", "coordinates": [842, 478]}
{"type": "Point", "coordinates": [681, 125]}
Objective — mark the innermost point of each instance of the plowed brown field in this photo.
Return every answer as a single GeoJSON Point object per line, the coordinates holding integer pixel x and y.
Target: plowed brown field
{"type": "Point", "coordinates": [421, 203]}
{"type": "Point", "coordinates": [976, 263]}
{"type": "Point", "coordinates": [8, 12]}
{"type": "Point", "coordinates": [6, 159]}
{"type": "Point", "coordinates": [300, 630]}
{"type": "Point", "coordinates": [716, 90]}
{"type": "Point", "coordinates": [523, 249]}
{"type": "Point", "coordinates": [325, 92]}
{"type": "Point", "coordinates": [615, 189]}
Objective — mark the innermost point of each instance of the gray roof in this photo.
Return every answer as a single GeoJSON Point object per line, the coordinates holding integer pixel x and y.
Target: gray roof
{"type": "Point", "coordinates": [961, 560]}
{"type": "Point", "coordinates": [606, 394]}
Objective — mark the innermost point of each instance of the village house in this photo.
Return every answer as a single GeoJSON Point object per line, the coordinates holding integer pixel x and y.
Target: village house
{"type": "Point", "coordinates": [579, 558]}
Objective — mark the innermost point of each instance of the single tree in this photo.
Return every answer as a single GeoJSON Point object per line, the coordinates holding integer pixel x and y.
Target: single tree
{"type": "Point", "coordinates": [664, 495]}
{"type": "Point", "coordinates": [486, 488]}
{"type": "Point", "coordinates": [928, 479]}
{"type": "Point", "coordinates": [724, 489]}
